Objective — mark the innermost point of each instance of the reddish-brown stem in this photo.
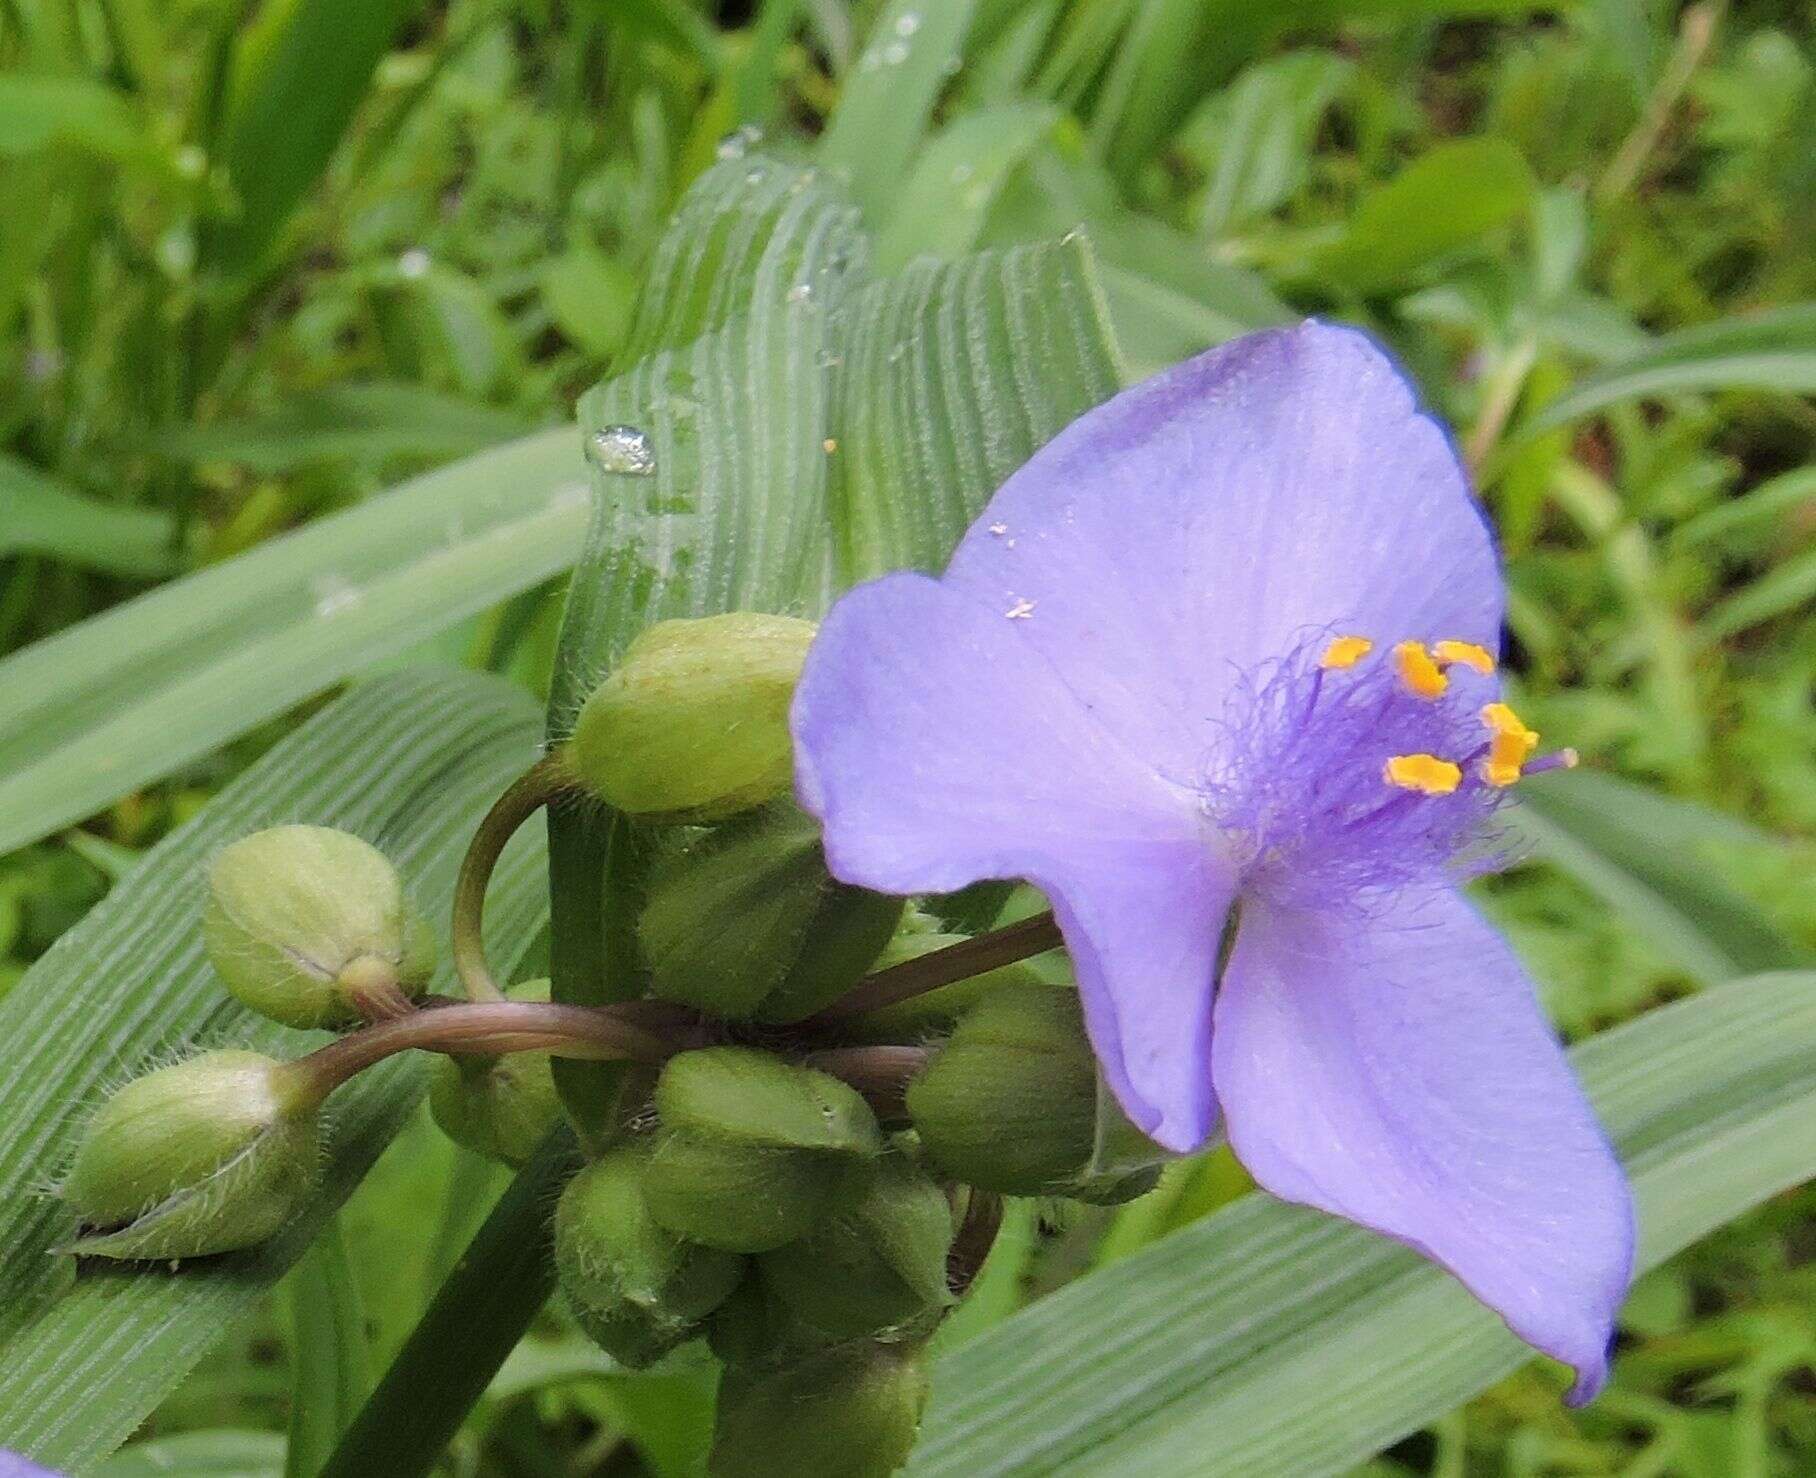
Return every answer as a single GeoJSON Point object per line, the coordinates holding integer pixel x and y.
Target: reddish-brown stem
{"type": "Point", "coordinates": [943, 966]}
{"type": "Point", "coordinates": [488, 1027]}
{"type": "Point", "coordinates": [881, 1074]}
{"type": "Point", "coordinates": [528, 794]}
{"type": "Point", "coordinates": [976, 1236]}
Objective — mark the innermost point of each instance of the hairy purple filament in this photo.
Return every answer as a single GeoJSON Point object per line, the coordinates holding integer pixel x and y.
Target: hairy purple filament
{"type": "Point", "coordinates": [1296, 788]}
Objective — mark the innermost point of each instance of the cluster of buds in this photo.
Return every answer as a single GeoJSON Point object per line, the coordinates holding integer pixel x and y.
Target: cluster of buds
{"type": "Point", "coordinates": [842, 1094]}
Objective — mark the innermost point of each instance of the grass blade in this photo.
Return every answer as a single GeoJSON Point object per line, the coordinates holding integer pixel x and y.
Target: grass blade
{"type": "Point", "coordinates": [329, 1373]}
{"type": "Point", "coordinates": [1647, 855]}
{"type": "Point", "coordinates": [1774, 350]}
{"type": "Point", "coordinates": [38, 515]}
{"type": "Point", "coordinates": [912, 49]}
{"type": "Point", "coordinates": [130, 695]}
{"type": "Point", "coordinates": [299, 73]}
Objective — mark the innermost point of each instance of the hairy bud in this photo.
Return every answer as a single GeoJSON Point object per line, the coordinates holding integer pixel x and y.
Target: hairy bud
{"type": "Point", "coordinates": [876, 1263]}
{"type": "Point", "coordinates": [1012, 1103]}
{"type": "Point", "coordinates": [636, 1288]}
{"type": "Point", "coordinates": [311, 927]}
{"type": "Point", "coordinates": [209, 1155]}
{"type": "Point", "coordinates": [746, 921]}
{"type": "Point", "coordinates": [752, 1149]}
{"type": "Point", "coordinates": [693, 723]}
{"type": "Point", "coordinates": [499, 1107]}
{"type": "Point", "coordinates": [848, 1411]}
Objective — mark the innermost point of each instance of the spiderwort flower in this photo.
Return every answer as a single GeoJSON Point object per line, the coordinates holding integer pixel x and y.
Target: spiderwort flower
{"type": "Point", "coordinates": [1224, 650]}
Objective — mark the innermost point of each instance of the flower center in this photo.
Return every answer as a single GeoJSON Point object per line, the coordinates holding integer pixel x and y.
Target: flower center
{"type": "Point", "coordinates": [1344, 770]}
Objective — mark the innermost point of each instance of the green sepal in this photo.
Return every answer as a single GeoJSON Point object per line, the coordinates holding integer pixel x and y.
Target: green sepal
{"type": "Point", "coordinates": [746, 921]}
{"type": "Point", "coordinates": [636, 1288]}
{"type": "Point", "coordinates": [736, 1195]}
{"type": "Point", "coordinates": [847, 1411]}
{"type": "Point", "coordinates": [693, 722]}
{"type": "Point", "coordinates": [206, 1156]}
{"type": "Point", "coordinates": [1012, 1103]}
{"type": "Point", "coordinates": [291, 908]}
{"type": "Point", "coordinates": [877, 1262]}
{"type": "Point", "coordinates": [756, 1098]}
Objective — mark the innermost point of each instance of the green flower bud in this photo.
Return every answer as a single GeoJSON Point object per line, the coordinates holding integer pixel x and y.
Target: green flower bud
{"type": "Point", "coordinates": [210, 1155]}
{"type": "Point", "coordinates": [636, 1288]}
{"type": "Point", "coordinates": [752, 1149]}
{"type": "Point", "coordinates": [850, 1411]}
{"type": "Point", "coordinates": [752, 1328]}
{"type": "Point", "coordinates": [876, 1263]}
{"type": "Point", "coordinates": [309, 926]}
{"type": "Point", "coordinates": [499, 1107]}
{"type": "Point", "coordinates": [1012, 1103]}
{"type": "Point", "coordinates": [746, 921]}
{"type": "Point", "coordinates": [934, 1011]}
{"type": "Point", "coordinates": [693, 724]}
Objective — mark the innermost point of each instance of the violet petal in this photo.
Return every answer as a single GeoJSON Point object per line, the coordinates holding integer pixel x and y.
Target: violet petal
{"type": "Point", "coordinates": [1394, 1068]}
{"type": "Point", "coordinates": [938, 748]}
{"type": "Point", "coordinates": [1212, 517]}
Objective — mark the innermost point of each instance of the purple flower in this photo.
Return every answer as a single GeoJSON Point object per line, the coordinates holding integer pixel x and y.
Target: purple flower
{"type": "Point", "coordinates": [14, 1466]}
{"type": "Point", "coordinates": [1223, 652]}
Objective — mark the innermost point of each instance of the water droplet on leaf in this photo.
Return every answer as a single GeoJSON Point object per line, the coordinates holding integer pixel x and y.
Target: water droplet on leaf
{"type": "Point", "coordinates": [623, 451]}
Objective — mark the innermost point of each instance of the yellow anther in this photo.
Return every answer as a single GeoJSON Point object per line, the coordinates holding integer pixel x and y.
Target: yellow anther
{"type": "Point", "coordinates": [1510, 747]}
{"type": "Point", "coordinates": [1508, 725]}
{"type": "Point", "coordinates": [1346, 651]}
{"type": "Point", "coordinates": [1500, 775]}
{"type": "Point", "coordinates": [1417, 671]}
{"type": "Point", "coordinates": [1450, 653]}
{"type": "Point", "coordinates": [1425, 773]}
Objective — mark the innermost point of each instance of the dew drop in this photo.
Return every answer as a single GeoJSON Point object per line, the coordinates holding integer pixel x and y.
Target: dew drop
{"type": "Point", "coordinates": [739, 142]}
{"type": "Point", "coordinates": [800, 292]}
{"type": "Point", "coordinates": [623, 451]}
{"type": "Point", "coordinates": [895, 53]}
{"type": "Point", "coordinates": [333, 594]}
{"type": "Point", "coordinates": [413, 264]}
{"type": "Point", "coordinates": [907, 24]}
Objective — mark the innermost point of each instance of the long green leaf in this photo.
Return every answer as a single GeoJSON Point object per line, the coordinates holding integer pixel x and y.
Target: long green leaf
{"type": "Point", "coordinates": [1774, 350]}
{"type": "Point", "coordinates": [733, 402]}
{"type": "Point", "coordinates": [1270, 1339]}
{"type": "Point", "coordinates": [951, 376]}
{"type": "Point", "coordinates": [38, 515]}
{"type": "Point", "coordinates": [129, 696]}
{"type": "Point", "coordinates": [38, 110]}
{"type": "Point", "coordinates": [911, 51]}
{"type": "Point", "coordinates": [1647, 855]}
{"type": "Point", "coordinates": [220, 1452]}
{"type": "Point", "coordinates": [939, 209]}
{"type": "Point", "coordinates": [329, 1372]}
{"type": "Point", "coordinates": [364, 422]}
{"type": "Point", "coordinates": [410, 762]}
{"type": "Point", "coordinates": [299, 72]}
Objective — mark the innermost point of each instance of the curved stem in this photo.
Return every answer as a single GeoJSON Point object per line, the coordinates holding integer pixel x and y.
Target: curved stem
{"type": "Point", "coordinates": [492, 1027]}
{"type": "Point", "coordinates": [956, 962]}
{"type": "Point", "coordinates": [528, 794]}
{"type": "Point", "coordinates": [976, 1236]}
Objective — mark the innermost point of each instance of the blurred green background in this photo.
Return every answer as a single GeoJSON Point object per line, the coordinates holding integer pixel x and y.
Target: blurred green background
{"type": "Point", "coordinates": [258, 261]}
